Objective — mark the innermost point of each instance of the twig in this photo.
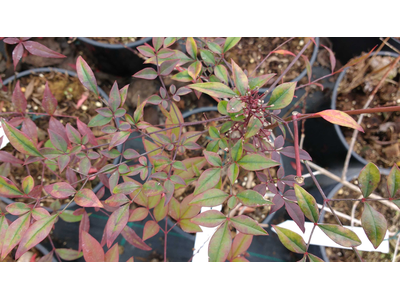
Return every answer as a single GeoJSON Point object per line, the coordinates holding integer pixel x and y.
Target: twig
{"type": "Point", "coordinates": [353, 211]}
{"type": "Point", "coordinates": [396, 249]}
{"type": "Point", "coordinates": [360, 118]}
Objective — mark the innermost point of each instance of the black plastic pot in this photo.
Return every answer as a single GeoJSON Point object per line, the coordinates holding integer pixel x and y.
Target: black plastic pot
{"type": "Point", "coordinates": [70, 73]}
{"type": "Point", "coordinates": [395, 42]}
{"type": "Point", "coordinates": [304, 72]}
{"type": "Point", "coordinates": [339, 133]}
{"type": "Point", "coordinates": [115, 59]}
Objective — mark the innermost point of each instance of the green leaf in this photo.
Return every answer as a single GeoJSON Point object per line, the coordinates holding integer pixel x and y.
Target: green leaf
{"type": "Point", "coordinates": [213, 132]}
{"type": "Point", "coordinates": [35, 234]}
{"type": "Point", "coordinates": [146, 73]}
{"type": "Point", "coordinates": [214, 89]}
{"type": "Point", "coordinates": [260, 81]}
{"type": "Point", "coordinates": [209, 218]}
{"type": "Point", "coordinates": [118, 139]}
{"type": "Point", "coordinates": [221, 73]}
{"type": "Point", "coordinates": [291, 240]}
{"type": "Point", "coordinates": [86, 76]}
{"type": "Point", "coordinates": [99, 120]}
{"type": "Point", "coordinates": [182, 76]}
{"type": "Point", "coordinates": [213, 158]}
{"type": "Point", "coordinates": [256, 162]}
{"type": "Point", "coordinates": [234, 105]}
{"type": "Point", "coordinates": [253, 127]}
{"type": "Point", "coordinates": [307, 203]}
{"type": "Point", "coordinates": [220, 244]}
{"type": "Point", "coordinates": [214, 47]}
{"type": "Point", "coordinates": [8, 188]}
{"type": "Point", "coordinates": [237, 150]}
{"type": "Point", "coordinates": [314, 258]}
{"type": "Point", "coordinates": [230, 42]}
{"type": "Point", "coordinates": [393, 181]}
{"type": "Point", "coordinates": [194, 70]}
{"type": "Point", "coordinates": [20, 140]}
{"type": "Point", "coordinates": [252, 198]}
{"type": "Point", "coordinates": [28, 184]}
{"type": "Point", "coordinates": [282, 95]}
{"type": "Point", "coordinates": [68, 216]}
{"type": "Point", "coordinates": [208, 179]}
{"type": "Point", "coordinates": [207, 57]}
{"type": "Point", "coordinates": [369, 179]}
{"type": "Point", "coordinates": [191, 47]}
{"type": "Point", "coordinates": [58, 141]}
{"type": "Point", "coordinates": [374, 225]}
{"type": "Point", "coordinates": [340, 235]}
{"type": "Point", "coordinates": [232, 172]}
{"type": "Point", "coordinates": [210, 198]}
{"type": "Point", "coordinates": [239, 78]}
{"type": "Point", "coordinates": [222, 107]}
{"type": "Point", "coordinates": [114, 100]}
{"type": "Point", "coordinates": [247, 225]}
{"type": "Point", "coordinates": [126, 188]}
{"type": "Point", "coordinates": [69, 254]}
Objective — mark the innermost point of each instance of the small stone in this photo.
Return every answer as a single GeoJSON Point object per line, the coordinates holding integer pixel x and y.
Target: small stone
{"type": "Point", "coordinates": [392, 150]}
{"type": "Point", "coordinates": [84, 107]}
{"type": "Point", "coordinates": [98, 104]}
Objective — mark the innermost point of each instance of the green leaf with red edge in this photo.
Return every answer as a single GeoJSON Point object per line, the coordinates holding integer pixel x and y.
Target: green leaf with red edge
{"type": "Point", "coordinates": [233, 172]}
{"type": "Point", "coordinates": [213, 158]}
{"type": "Point", "coordinates": [168, 41]}
{"type": "Point", "coordinates": [234, 105]}
{"type": "Point", "coordinates": [374, 225]}
{"type": "Point", "coordinates": [132, 238]}
{"type": "Point", "coordinates": [18, 99]}
{"type": "Point", "coordinates": [199, 162]}
{"type": "Point", "coordinates": [368, 179]}
{"type": "Point", "coordinates": [87, 198]}
{"type": "Point", "coordinates": [58, 141]}
{"type": "Point", "coordinates": [247, 225]}
{"type": "Point", "coordinates": [39, 213]}
{"type": "Point", "coordinates": [291, 240]}
{"type": "Point", "coordinates": [14, 234]}
{"type": "Point", "coordinates": [237, 150]}
{"type": "Point", "coordinates": [253, 127]}
{"type": "Point", "coordinates": [220, 244]}
{"type": "Point", "coordinates": [208, 179]}
{"type": "Point", "coordinates": [188, 211]}
{"type": "Point", "coordinates": [188, 226]}
{"type": "Point", "coordinates": [393, 181]}
{"type": "Point", "coordinates": [49, 102]}
{"type": "Point", "coordinates": [182, 76]}
{"type": "Point", "coordinates": [68, 216]}
{"type": "Point", "coordinates": [8, 188]}
{"type": "Point", "coordinates": [210, 198]}
{"type": "Point", "coordinates": [86, 76]}
{"type": "Point", "coordinates": [151, 228]}
{"type": "Point", "coordinates": [117, 200]}
{"type": "Point", "coordinates": [63, 161]}
{"type": "Point", "coordinates": [85, 130]}
{"type": "Point", "coordinates": [282, 95]}
{"type": "Point", "coordinates": [118, 139]}
{"type": "Point", "coordinates": [60, 190]}
{"type": "Point", "coordinates": [146, 50]}
{"type": "Point", "coordinates": [191, 47]}
{"type": "Point", "coordinates": [73, 135]}
{"type": "Point", "coordinates": [307, 203]}
{"type": "Point", "coordinates": [138, 114]}
{"type": "Point", "coordinates": [115, 224]}
{"type": "Point", "coordinates": [3, 230]}
{"type": "Point", "coordinates": [240, 244]}
{"type": "Point", "coordinates": [69, 254]}
{"type": "Point", "coordinates": [138, 214]}
{"type": "Point", "coordinates": [209, 218]}
{"type": "Point", "coordinates": [146, 73]}
{"type": "Point", "coordinates": [214, 89]}
{"type": "Point", "coordinates": [92, 250]}
{"type": "Point", "coordinates": [207, 57]}
{"type": "Point", "coordinates": [194, 70]}
{"type": "Point", "coordinates": [240, 259]}
{"type": "Point", "coordinates": [340, 235]}
{"type": "Point", "coordinates": [221, 73]}
{"type": "Point", "coordinates": [99, 120]}
{"type": "Point", "coordinates": [314, 258]}
{"type": "Point", "coordinates": [115, 98]}
{"type": "Point", "coordinates": [18, 208]}
{"type": "Point", "coordinates": [112, 255]}
{"type": "Point", "coordinates": [168, 66]}
{"type": "Point", "coordinates": [230, 42]}
{"type": "Point", "coordinates": [239, 78]}
{"type": "Point", "coordinates": [161, 210]}
{"type": "Point", "coordinates": [340, 118]}
{"type": "Point", "coordinates": [126, 187]}
{"type": "Point", "coordinates": [252, 198]}
{"type": "Point", "coordinates": [256, 162]}
{"type": "Point", "coordinates": [260, 81]}
{"type": "Point", "coordinates": [157, 42]}
{"type": "Point", "coordinates": [36, 233]}
{"type": "Point", "coordinates": [214, 47]}
{"type": "Point", "coordinates": [20, 140]}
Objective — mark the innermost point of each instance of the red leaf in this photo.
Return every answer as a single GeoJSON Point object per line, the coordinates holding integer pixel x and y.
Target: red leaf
{"type": "Point", "coordinates": [49, 102]}
{"type": "Point", "coordinates": [151, 228]}
{"type": "Point", "coordinates": [85, 130]}
{"type": "Point", "coordinates": [14, 234]}
{"type": "Point", "coordinates": [7, 157]}
{"type": "Point", "coordinates": [18, 99]}
{"type": "Point", "coordinates": [56, 126]}
{"type": "Point", "coordinates": [92, 250]}
{"type": "Point", "coordinates": [112, 255]}
{"type": "Point", "coordinates": [296, 214]}
{"type": "Point", "coordinates": [283, 52]}
{"type": "Point", "coordinates": [132, 238]}
{"type": "Point", "coordinates": [18, 208]}
{"type": "Point", "coordinates": [30, 129]}
{"type": "Point", "coordinates": [11, 40]}
{"type": "Point", "coordinates": [331, 58]}
{"type": "Point", "coordinates": [339, 118]}
{"type": "Point", "coordinates": [17, 54]}
{"type": "Point", "coordinates": [84, 226]}
{"type": "Point", "coordinates": [86, 198]}
{"type": "Point", "coordinates": [38, 49]}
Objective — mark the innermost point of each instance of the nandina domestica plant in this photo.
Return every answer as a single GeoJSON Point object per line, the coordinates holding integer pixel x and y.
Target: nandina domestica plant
{"type": "Point", "coordinates": [241, 139]}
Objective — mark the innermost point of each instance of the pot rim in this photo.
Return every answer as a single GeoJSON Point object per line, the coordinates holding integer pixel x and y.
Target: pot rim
{"type": "Point", "coordinates": [114, 46]}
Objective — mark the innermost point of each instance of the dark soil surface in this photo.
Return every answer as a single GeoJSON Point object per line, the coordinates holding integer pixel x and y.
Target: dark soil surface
{"type": "Point", "coordinates": [116, 40]}
{"type": "Point", "coordinates": [392, 217]}
{"type": "Point", "coordinates": [380, 142]}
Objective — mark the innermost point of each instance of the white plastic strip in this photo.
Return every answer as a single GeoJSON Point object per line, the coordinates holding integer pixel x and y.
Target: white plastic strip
{"type": "Point", "coordinates": [321, 239]}
{"type": "Point", "coordinates": [5, 139]}
{"type": "Point", "coordinates": [203, 239]}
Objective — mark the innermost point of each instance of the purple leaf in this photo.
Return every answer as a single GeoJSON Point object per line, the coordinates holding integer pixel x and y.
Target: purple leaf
{"type": "Point", "coordinates": [17, 54]}
{"type": "Point", "coordinates": [18, 99]}
{"type": "Point", "coordinates": [296, 214]}
{"type": "Point", "coordinates": [289, 152]}
{"type": "Point", "coordinates": [38, 49]}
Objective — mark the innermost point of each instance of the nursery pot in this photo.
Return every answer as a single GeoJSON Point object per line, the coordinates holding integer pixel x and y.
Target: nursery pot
{"type": "Point", "coordinates": [343, 142]}
{"type": "Point", "coordinates": [70, 73]}
{"type": "Point", "coordinates": [116, 59]}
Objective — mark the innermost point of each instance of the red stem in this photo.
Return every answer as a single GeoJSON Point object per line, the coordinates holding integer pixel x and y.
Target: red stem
{"type": "Point", "coordinates": [296, 144]}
